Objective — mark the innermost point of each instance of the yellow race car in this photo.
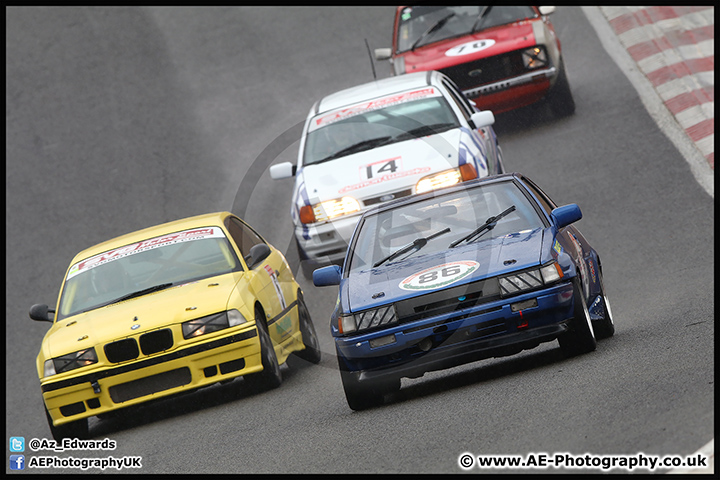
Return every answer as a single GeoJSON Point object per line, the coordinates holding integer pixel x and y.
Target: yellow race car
{"type": "Point", "coordinates": [169, 309]}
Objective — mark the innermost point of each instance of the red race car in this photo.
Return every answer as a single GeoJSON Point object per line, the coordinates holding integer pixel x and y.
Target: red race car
{"type": "Point", "coordinates": [501, 57]}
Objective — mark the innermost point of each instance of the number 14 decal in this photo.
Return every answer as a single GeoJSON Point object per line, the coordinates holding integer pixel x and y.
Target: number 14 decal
{"type": "Point", "coordinates": [379, 169]}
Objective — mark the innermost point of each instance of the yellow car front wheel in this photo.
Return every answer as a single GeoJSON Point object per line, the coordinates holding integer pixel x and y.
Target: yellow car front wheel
{"type": "Point", "coordinates": [76, 429]}
{"type": "Point", "coordinates": [270, 377]}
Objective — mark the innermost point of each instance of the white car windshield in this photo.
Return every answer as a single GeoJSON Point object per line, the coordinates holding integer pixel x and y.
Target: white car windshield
{"type": "Point", "coordinates": [443, 222]}
{"type": "Point", "coordinates": [144, 267]}
{"type": "Point", "coordinates": [422, 25]}
{"type": "Point", "coordinates": [366, 126]}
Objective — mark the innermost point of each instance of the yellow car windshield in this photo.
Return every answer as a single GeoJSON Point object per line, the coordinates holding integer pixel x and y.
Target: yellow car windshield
{"type": "Point", "coordinates": [144, 267]}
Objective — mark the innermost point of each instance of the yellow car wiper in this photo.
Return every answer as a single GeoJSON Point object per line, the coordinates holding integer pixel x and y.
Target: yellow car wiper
{"type": "Point", "coordinates": [142, 292]}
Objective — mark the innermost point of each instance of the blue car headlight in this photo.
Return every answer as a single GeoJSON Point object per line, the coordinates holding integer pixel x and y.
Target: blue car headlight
{"type": "Point", "coordinates": [530, 279]}
{"type": "Point", "coordinates": [367, 319]}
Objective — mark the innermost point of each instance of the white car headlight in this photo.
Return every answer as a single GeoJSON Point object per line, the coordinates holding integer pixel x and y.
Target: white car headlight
{"type": "Point", "coordinates": [446, 178]}
{"type": "Point", "coordinates": [324, 211]}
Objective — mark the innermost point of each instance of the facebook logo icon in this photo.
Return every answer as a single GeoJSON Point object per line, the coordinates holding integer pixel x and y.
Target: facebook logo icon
{"type": "Point", "coordinates": [17, 462]}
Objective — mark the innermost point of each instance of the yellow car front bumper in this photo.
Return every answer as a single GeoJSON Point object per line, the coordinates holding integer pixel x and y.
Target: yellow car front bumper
{"type": "Point", "coordinates": [106, 388]}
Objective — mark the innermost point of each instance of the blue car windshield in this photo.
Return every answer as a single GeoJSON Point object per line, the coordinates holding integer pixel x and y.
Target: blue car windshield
{"type": "Point", "coordinates": [443, 220]}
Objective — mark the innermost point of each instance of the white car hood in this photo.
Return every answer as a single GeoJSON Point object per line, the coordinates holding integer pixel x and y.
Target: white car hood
{"type": "Point", "coordinates": [386, 169]}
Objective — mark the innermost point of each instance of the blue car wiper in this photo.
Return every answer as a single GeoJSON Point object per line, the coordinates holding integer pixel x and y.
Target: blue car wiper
{"type": "Point", "coordinates": [487, 226]}
{"type": "Point", "coordinates": [416, 244]}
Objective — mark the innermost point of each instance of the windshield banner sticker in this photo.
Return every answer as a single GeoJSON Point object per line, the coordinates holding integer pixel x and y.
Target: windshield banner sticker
{"type": "Point", "coordinates": [439, 276]}
{"type": "Point", "coordinates": [127, 250]}
{"type": "Point", "coordinates": [470, 47]}
{"type": "Point", "coordinates": [364, 107]}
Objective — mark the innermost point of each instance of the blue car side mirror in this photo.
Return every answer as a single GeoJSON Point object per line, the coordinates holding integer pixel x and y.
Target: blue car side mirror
{"type": "Point", "coordinates": [326, 276]}
{"type": "Point", "coordinates": [567, 214]}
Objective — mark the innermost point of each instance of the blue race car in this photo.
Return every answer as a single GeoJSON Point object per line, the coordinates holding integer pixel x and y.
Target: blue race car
{"type": "Point", "coordinates": [479, 270]}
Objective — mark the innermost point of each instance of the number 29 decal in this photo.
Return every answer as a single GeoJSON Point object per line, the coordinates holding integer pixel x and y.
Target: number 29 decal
{"type": "Point", "coordinates": [439, 276]}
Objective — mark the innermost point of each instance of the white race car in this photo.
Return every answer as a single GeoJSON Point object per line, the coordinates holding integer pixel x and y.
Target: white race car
{"type": "Point", "coordinates": [379, 141]}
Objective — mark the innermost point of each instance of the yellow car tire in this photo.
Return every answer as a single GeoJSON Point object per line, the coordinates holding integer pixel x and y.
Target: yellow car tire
{"type": "Point", "coordinates": [271, 376]}
{"type": "Point", "coordinates": [309, 337]}
{"type": "Point", "coordinates": [76, 429]}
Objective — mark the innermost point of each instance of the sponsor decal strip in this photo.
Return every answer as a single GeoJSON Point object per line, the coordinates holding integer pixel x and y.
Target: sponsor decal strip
{"type": "Point", "coordinates": [373, 105]}
{"type": "Point", "coordinates": [127, 250]}
{"type": "Point", "coordinates": [392, 176]}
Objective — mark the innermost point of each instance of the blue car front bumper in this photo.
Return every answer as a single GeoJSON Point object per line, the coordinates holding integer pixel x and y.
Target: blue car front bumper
{"type": "Point", "coordinates": [458, 337]}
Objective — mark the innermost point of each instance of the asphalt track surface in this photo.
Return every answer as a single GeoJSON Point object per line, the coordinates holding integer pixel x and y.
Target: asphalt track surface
{"type": "Point", "coordinates": [122, 118]}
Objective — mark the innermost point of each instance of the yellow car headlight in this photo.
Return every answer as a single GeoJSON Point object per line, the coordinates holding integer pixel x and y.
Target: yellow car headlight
{"type": "Point", "coordinates": [212, 323]}
{"type": "Point", "coordinates": [203, 325]}
{"type": "Point", "coordinates": [71, 361]}
{"type": "Point", "coordinates": [324, 211]}
{"type": "Point", "coordinates": [446, 178]}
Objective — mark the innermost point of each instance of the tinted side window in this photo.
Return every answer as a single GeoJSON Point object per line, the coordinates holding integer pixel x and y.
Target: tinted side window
{"type": "Point", "coordinates": [244, 236]}
{"type": "Point", "coordinates": [547, 204]}
{"type": "Point", "coordinates": [458, 98]}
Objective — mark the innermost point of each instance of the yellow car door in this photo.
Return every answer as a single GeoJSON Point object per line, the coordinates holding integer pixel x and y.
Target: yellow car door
{"type": "Point", "coordinates": [270, 280]}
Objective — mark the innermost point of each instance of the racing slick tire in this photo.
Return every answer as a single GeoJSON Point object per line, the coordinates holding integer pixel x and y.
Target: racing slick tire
{"type": "Point", "coordinates": [309, 337]}
{"type": "Point", "coordinates": [604, 328]}
{"type": "Point", "coordinates": [271, 376]}
{"type": "Point", "coordinates": [76, 429]}
{"type": "Point", "coordinates": [366, 395]}
{"type": "Point", "coordinates": [560, 96]}
{"type": "Point", "coordinates": [581, 336]}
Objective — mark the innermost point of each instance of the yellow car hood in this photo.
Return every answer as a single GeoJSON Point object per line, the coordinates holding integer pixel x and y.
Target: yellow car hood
{"type": "Point", "coordinates": [132, 317]}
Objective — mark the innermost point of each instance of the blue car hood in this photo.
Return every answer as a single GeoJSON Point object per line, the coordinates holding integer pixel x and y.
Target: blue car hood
{"type": "Point", "coordinates": [393, 282]}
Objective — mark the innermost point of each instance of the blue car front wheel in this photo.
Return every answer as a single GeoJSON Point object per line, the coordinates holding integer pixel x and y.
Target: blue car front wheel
{"type": "Point", "coordinates": [367, 394]}
{"type": "Point", "coordinates": [581, 336]}
{"type": "Point", "coordinates": [605, 327]}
